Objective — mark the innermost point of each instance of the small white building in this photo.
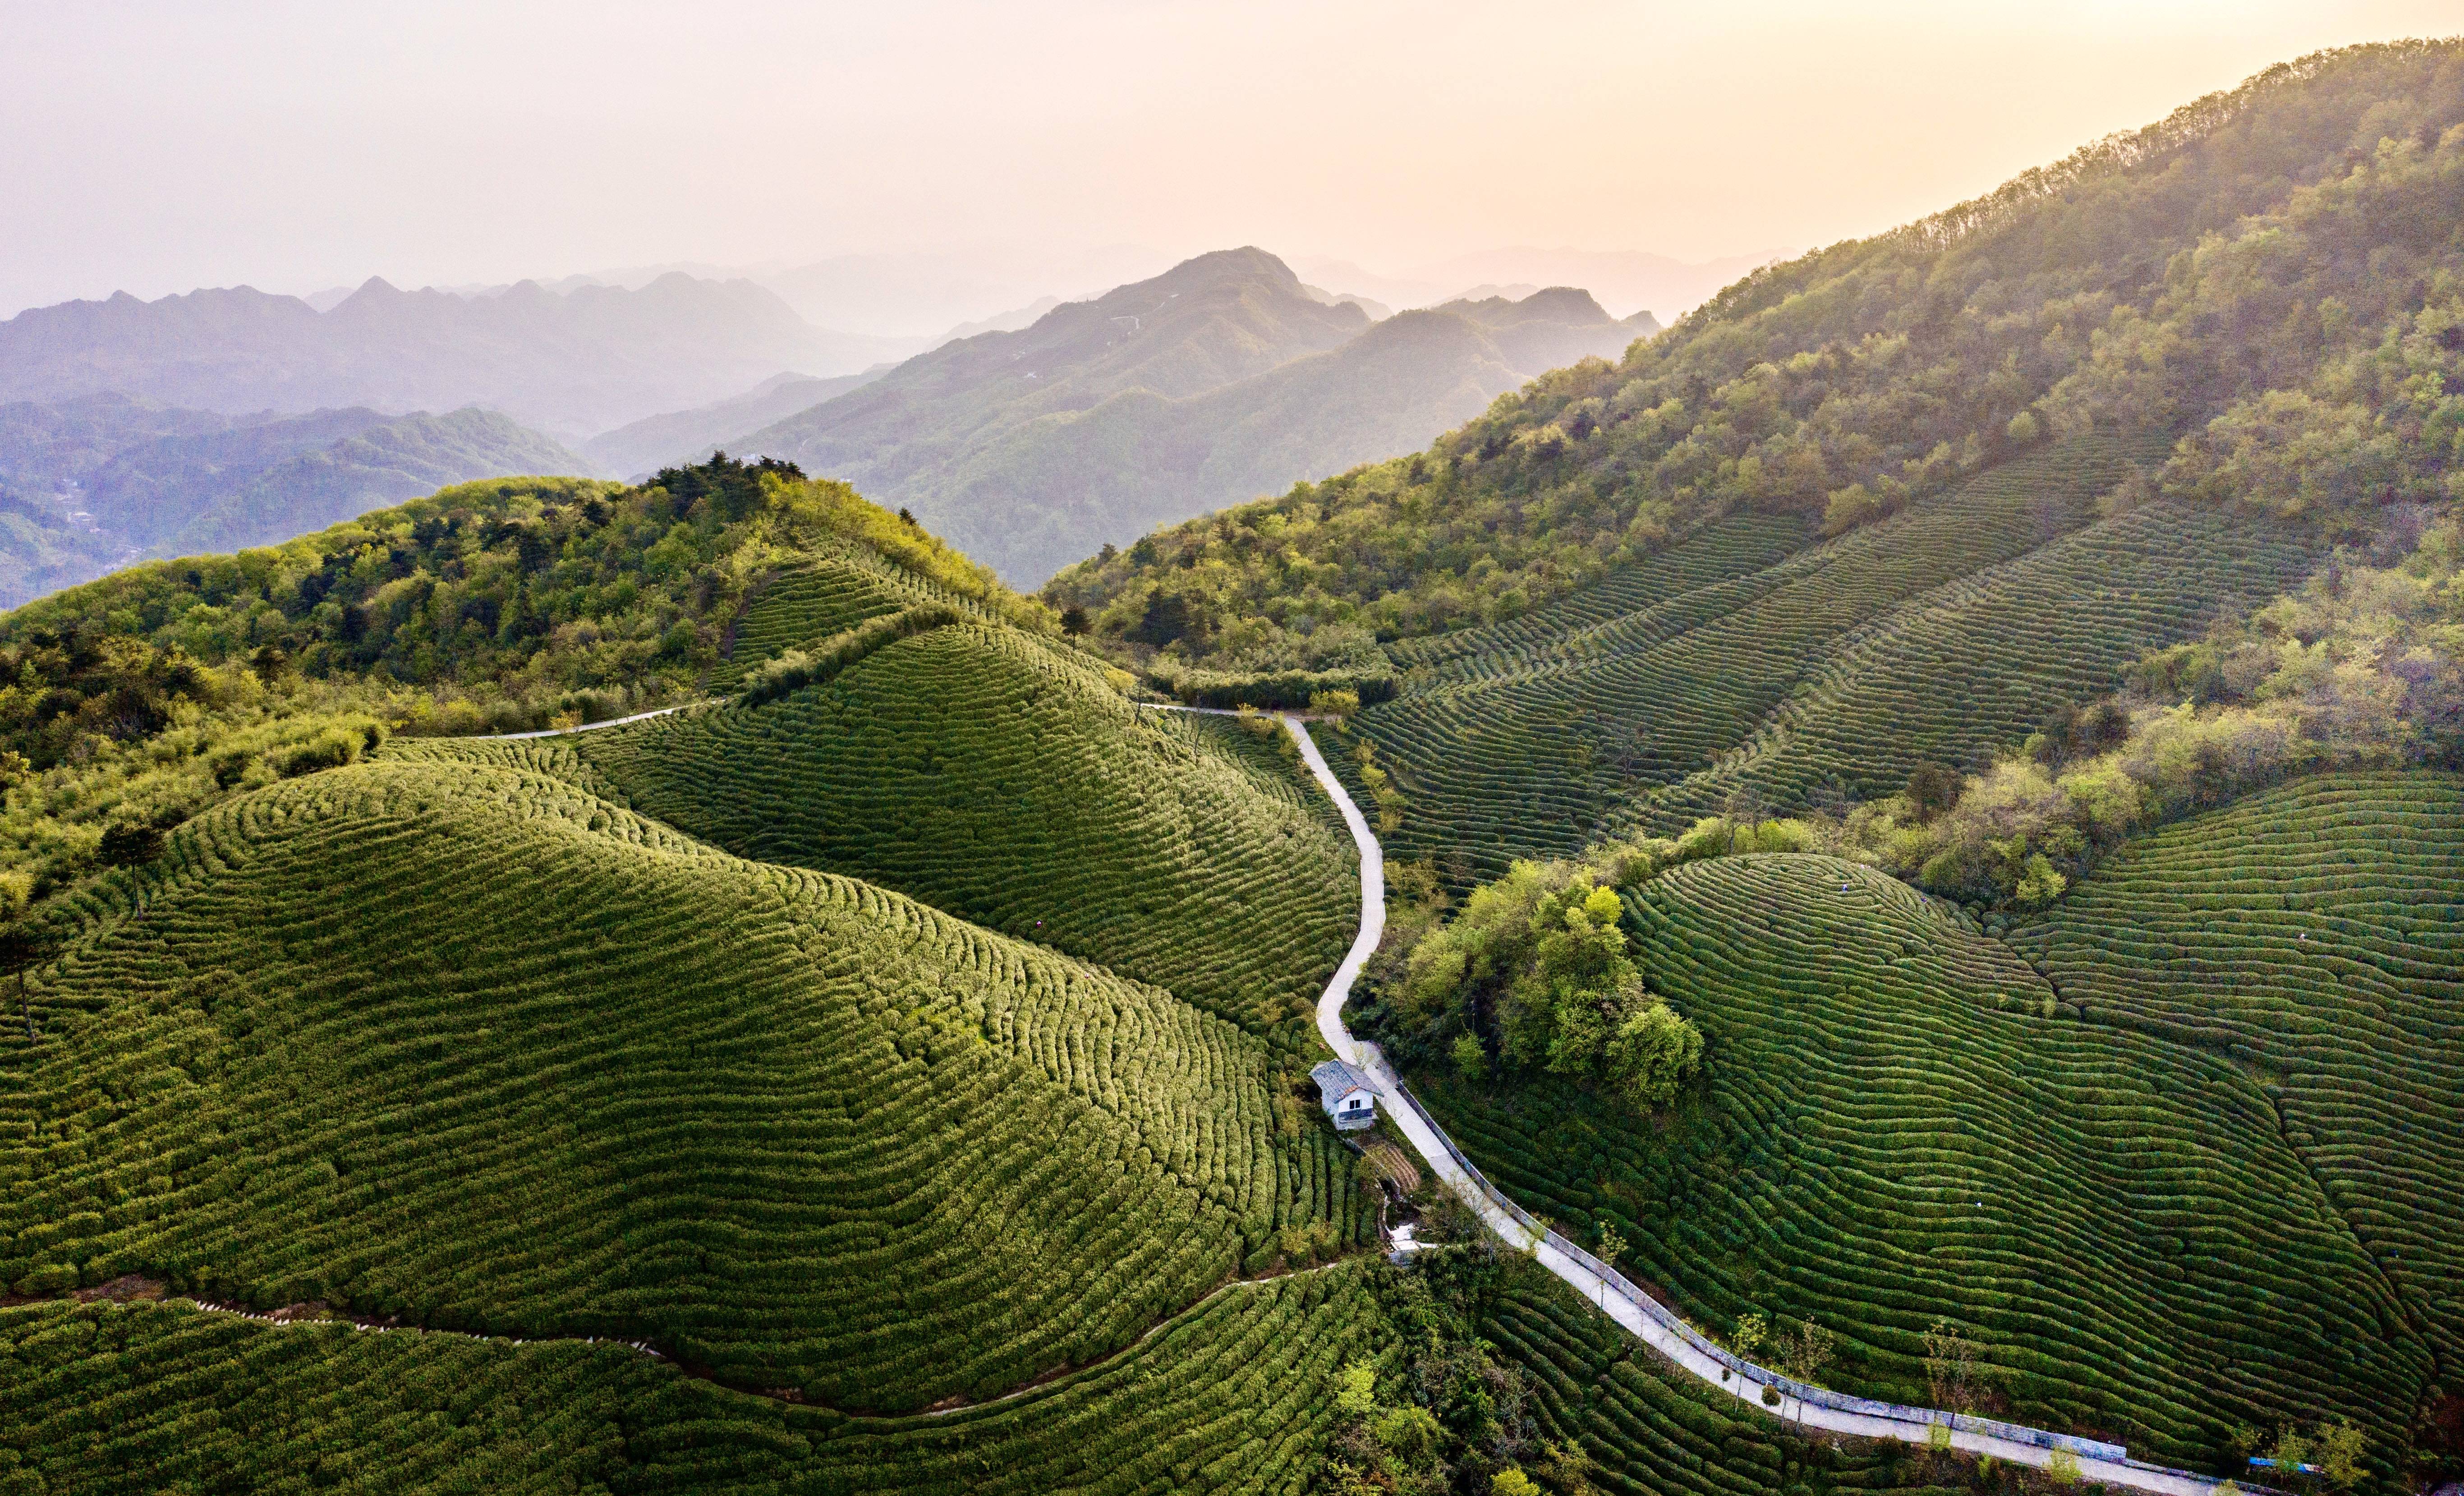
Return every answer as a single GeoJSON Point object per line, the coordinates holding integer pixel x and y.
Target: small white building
{"type": "Point", "coordinates": [1346, 1096]}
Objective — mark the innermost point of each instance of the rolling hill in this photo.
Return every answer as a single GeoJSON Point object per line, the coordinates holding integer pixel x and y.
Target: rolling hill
{"type": "Point", "coordinates": [901, 1037]}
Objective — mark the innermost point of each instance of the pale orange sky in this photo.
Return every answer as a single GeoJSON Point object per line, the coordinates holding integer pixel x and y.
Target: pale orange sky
{"type": "Point", "coordinates": [157, 147]}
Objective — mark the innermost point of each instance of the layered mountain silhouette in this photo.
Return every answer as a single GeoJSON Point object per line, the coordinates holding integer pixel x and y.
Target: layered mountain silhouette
{"type": "Point", "coordinates": [570, 364]}
{"type": "Point", "coordinates": [103, 480]}
{"type": "Point", "coordinates": [1221, 379]}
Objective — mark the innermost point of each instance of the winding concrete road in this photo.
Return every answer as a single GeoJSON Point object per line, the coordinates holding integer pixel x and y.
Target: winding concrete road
{"type": "Point", "coordinates": [1810, 1407]}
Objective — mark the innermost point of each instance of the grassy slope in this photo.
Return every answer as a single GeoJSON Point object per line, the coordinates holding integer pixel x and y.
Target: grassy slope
{"type": "Point", "coordinates": [104, 1398]}
{"type": "Point", "coordinates": [1893, 1128]}
{"type": "Point", "coordinates": [999, 778]}
{"type": "Point", "coordinates": [1943, 633]}
{"type": "Point", "coordinates": [2312, 938]}
{"type": "Point", "coordinates": [468, 1046]}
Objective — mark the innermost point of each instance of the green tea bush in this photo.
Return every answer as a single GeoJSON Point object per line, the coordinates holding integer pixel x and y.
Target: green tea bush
{"type": "Point", "coordinates": [104, 1398]}
{"type": "Point", "coordinates": [1001, 777]}
{"type": "Point", "coordinates": [468, 1046]}
{"type": "Point", "coordinates": [1901, 1121]}
{"type": "Point", "coordinates": [2316, 933]}
{"type": "Point", "coordinates": [1943, 633]}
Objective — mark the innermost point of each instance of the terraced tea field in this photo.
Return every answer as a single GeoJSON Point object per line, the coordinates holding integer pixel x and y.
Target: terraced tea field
{"type": "Point", "coordinates": [470, 1047]}
{"type": "Point", "coordinates": [1001, 778]}
{"type": "Point", "coordinates": [816, 598]}
{"type": "Point", "coordinates": [1941, 633]}
{"type": "Point", "coordinates": [1900, 1120]}
{"type": "Point", "coordinates": [103, 1398]}
{"type": "Point", "coordinates": [1657, 1431]}
{"type": "Point", "coordinates": [2313, 938]}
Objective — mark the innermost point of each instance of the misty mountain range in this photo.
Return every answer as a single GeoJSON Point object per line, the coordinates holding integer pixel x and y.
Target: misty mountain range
{"type": "Point", "coordinates": [228, 418]}
{"type": "Point", "coordinates": [97, 481]}
{"type": "Point", "coordinates": [1221, 379]}
{"type": "Point", "coordinates": [570, 365]}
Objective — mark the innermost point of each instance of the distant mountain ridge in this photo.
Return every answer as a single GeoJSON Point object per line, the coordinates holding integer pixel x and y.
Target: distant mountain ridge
{"type": "Point", "coordinates": [103, 480]}
{"type": "Point", "coordinates": [1223, 377]}
{"type": "Point", "coordinates": [569, 365]}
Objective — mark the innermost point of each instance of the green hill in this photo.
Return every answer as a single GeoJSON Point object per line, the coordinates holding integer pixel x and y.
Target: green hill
{"type": "Point", "coordinates": [1001, 778]}
{"type": "Point", "coordinates": [1941, 634]}
{"type": "Point", "coordinates": [469, 1046]}
{"type": "Point", "coordinates": [1904, 1121]}
{"type": "Point", "coordinates": [1229, 1397]}
{"type": "Point", "coordinates": [1842, 386]}
{"type": "Point", "coordinates": [2312, 938]}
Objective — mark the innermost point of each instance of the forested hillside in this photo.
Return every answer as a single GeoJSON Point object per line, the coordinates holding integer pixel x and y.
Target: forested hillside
{"type": "Point", "coordinates": [2120, 289]}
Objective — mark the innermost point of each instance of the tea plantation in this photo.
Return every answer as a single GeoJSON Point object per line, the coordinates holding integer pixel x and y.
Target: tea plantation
{"type": "Point", "coordinates": [1902, 1120]}
{"type": "Point", "coordinates": [2313, 938]}
{"type": "Point", "coordinates": [999, 778]}
{"type": "Point", "coordinates": [103, 1398]}
{"type": "Point", "coordinates": [467, 1046]}
{"type": "Point", "coordinates": [1943, 633]}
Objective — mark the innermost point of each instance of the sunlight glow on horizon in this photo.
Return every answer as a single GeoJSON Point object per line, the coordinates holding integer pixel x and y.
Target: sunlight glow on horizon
{"type": "Point", "coordinates": [290, 147]}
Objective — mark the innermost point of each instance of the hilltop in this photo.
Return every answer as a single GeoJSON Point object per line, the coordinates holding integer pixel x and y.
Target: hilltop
{"type": "Point", "coordinates": [1218, 380]}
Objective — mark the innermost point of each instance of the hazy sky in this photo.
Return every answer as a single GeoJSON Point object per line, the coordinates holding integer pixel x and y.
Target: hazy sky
{"type": "Point", "coordinates": [291, 146]}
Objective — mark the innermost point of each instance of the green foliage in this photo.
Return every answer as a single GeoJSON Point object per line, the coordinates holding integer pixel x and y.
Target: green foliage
{"type": "Point", "coordinates": [1441, 1413]}
{"type": "Point", "coordinates": [1896, 1134]}
{"type": "Point", "coordinates": [486, 603]}
{"type": "Point", "coordinates": [2257, 241]}
{"type": "Point", "coordinates": [2314, 929]}
{"type": "Point", "coordinates": [2363, 666]}
{"type": "Point", "coordinates": [1643, 705]}
{"type": "Point", "coordinates": [472, 1048]}
{"type": "Point", "coordinates": [1537, 960]}
{"type": "Point", "coordinates": [1231, 1391]}
{"type": "Point", "coordinates": [999, 775]}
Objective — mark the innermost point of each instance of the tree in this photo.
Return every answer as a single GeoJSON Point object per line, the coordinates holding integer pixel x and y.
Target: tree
{"type": "Point", "coordinates": [1933, 788]}
{"type": "Point", "coordinates": [2340, 1447]}
{"type": "Point", "coordinates": [130, 844]}
{"type": "Point", "coordinates": [1745, 810]}
{"type": "Point", "coordinates": [1471, 1061]}
{"type": "Point", "coordinates": [1653, 1055]}
{"type": "Point", "coordinates": [1356, 1394]}
{"type": "Point", "coordinates": [1753, 1330]}
{"type": "Point", "coordinates": [1513, 1481]}
{"type": "Point", "coordinates": [1073, 620]}
{"type": "Point", "coordinates": [1806, 1353]}
{"type": "Point", "coordinates": [1612, 1247]}
{"type": "Point", "coordinates": [21, 944]}
{"type": "Point", "coordinates": [2291, 1450]}
{"type": "Point", "coordinates": [1951, 1368]}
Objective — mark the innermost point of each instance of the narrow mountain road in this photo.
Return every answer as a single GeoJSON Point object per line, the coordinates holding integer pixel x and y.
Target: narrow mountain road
{"type": "Point", "coordinates": [1808, 1407]}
